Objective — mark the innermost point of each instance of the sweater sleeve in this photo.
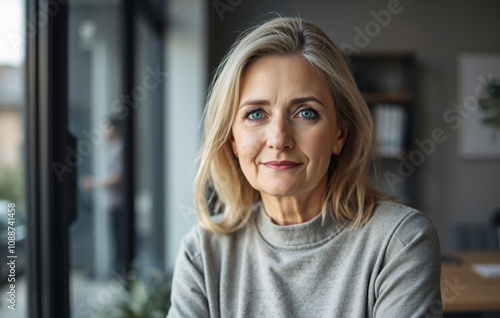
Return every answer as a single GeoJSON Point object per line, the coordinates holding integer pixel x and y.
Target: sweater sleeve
{"type": "Point", "coordinates": [408, 284]}
{"type": "Point", "coordinates": [189, 295]}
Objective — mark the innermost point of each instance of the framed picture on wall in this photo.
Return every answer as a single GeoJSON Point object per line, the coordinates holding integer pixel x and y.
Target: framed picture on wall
{"type": "Point", "coordinates": [476, 115]}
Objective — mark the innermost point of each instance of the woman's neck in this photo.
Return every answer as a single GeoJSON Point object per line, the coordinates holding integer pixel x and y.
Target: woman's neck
{"type": "Point", "coordinates": [294, 209]}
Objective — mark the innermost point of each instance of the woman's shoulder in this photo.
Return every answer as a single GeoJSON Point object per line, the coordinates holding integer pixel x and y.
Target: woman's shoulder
{"type": "Point", "coordinates": [392, 212]}
{"type": "Point", "coordinates": [402, 224]}
{"type": "Point", "coordinates": [200, 239]}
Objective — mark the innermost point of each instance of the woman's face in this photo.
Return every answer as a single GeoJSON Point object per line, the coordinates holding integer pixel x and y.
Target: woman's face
{"type": "Point", "coordinates": [285, 130]}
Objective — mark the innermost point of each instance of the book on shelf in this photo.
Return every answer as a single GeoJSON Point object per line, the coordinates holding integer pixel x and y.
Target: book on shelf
{"type": "Point", "coordinates": [390, 129]}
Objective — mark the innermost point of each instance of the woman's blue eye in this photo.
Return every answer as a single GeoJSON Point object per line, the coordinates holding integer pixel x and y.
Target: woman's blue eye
{"type": "Point", "coordinates": [256, 115]}
{"type": "Point", "coordinates": [308, 114]}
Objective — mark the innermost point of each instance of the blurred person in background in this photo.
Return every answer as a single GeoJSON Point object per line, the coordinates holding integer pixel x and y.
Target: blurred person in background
{"type": "Point", "coordinates": [112, 183]}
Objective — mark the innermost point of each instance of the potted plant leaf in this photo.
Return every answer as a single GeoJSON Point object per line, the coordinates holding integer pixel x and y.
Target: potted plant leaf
{"type": "Point", "coordinates": [144, 299]}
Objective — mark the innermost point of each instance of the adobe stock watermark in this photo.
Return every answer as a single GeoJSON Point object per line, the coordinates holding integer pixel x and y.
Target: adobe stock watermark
{"type": "Point", "coordinates": [454, 115]}
{"type": "Point", "coordinates": [363, 36]}
{"type": "Point", "coordinates": [221, 7]}
{"type": "Point", "coordinates": [188, 213]}
{"type": "Point", "coordinates": [120, 108]}
{"type": "Point", "coordinates": [48, 9]}
{"type": "Point", "coordinates": [96, 304]}
{"type": "Point", "coordinates": [452, 290]}
{"type": "Point", "coordinates": [449, 294]}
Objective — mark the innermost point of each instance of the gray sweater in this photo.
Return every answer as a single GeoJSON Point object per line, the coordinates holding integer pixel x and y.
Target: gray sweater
{"type": "Point", "coordinates": [388, 268]}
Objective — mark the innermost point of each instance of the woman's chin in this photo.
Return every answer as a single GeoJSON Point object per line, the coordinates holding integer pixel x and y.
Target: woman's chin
{"type": "Point", "coordinates": [279, 192]}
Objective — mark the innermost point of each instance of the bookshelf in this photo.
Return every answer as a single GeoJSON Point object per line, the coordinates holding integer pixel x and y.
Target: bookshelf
{"type": "Point", "coordinates": [387, 80]}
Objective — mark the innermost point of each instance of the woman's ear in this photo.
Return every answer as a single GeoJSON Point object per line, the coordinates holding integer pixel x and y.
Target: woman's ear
{"type": "Point", "coordinates": [342, 133]}
{"type": "Point", "coordinates": [233, 145]}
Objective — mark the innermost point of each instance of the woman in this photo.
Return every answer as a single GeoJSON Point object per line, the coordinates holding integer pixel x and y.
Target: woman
{"type": "Point", "coordinates": [301, 233]}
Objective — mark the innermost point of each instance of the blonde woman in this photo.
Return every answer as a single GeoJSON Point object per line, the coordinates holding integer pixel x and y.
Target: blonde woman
{"type": "Point", "coordinates": [300, 233]}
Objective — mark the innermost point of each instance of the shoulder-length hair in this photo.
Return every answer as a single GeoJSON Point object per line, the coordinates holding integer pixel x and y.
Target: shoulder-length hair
{"type": "Point", "coordinates": [349, 196]}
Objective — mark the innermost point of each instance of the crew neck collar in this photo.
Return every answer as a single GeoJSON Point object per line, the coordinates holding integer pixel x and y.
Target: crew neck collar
{"type": "Point", "coordinates": [296, 235]}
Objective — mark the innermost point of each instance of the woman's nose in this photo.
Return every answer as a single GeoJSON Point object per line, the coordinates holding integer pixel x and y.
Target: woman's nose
{"type": "Point", "coordinates": [279, 134]}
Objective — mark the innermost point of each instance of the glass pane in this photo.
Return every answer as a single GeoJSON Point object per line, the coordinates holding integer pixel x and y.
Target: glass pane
{"type": "Point", "coordinates": [13, 234]}
{"type": "Point", "coordinates": [149, 145]}
{"type": "Point", "coordinates": [96, 97]}
{"type": "Point", "coordinates": [149, 163]}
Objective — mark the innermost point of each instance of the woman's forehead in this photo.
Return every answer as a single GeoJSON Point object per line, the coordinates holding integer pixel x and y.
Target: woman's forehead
{"type": "Point", "coordinates": [290, 75]}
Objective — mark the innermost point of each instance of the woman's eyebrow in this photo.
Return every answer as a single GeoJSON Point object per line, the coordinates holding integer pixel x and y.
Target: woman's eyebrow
{"type": "Point", "coordinates": [255, 102]}
{"type": "Point", "coordinates": [301, 100]}
{"type": "Point", "coordinates": [298, 100]}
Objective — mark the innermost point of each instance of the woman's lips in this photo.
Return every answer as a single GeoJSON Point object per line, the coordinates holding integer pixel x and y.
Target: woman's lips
{"type": "Point", "coordinates": [281, 165]}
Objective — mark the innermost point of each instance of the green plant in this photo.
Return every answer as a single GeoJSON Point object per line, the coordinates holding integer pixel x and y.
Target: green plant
{"type": "Point", "coordinates": [12, 184]}
{"type": "Point", "coordinates": [490, 105]}
{"type": "Point", "coordinates": [149, 299]}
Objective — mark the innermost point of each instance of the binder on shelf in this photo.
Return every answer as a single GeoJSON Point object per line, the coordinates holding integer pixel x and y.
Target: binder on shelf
{"type": "Point", "coordinates": [390, 129]}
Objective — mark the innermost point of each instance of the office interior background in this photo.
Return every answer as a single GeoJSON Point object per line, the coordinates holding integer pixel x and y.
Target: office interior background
{"type": "Point", "coordinates": [149, 64]}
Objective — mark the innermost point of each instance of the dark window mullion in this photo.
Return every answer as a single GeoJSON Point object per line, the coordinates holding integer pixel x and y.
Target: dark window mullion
{"type": "Point", "coordinates": [33, 195]}
{"type": "Point", "coordinates": [48, 213]}
{"type": "Point", "coordinates": [154, 14]}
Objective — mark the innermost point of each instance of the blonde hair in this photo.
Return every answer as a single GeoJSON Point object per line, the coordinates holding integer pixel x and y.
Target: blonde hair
{"type": "Point", "coordinates": [349, 196]}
